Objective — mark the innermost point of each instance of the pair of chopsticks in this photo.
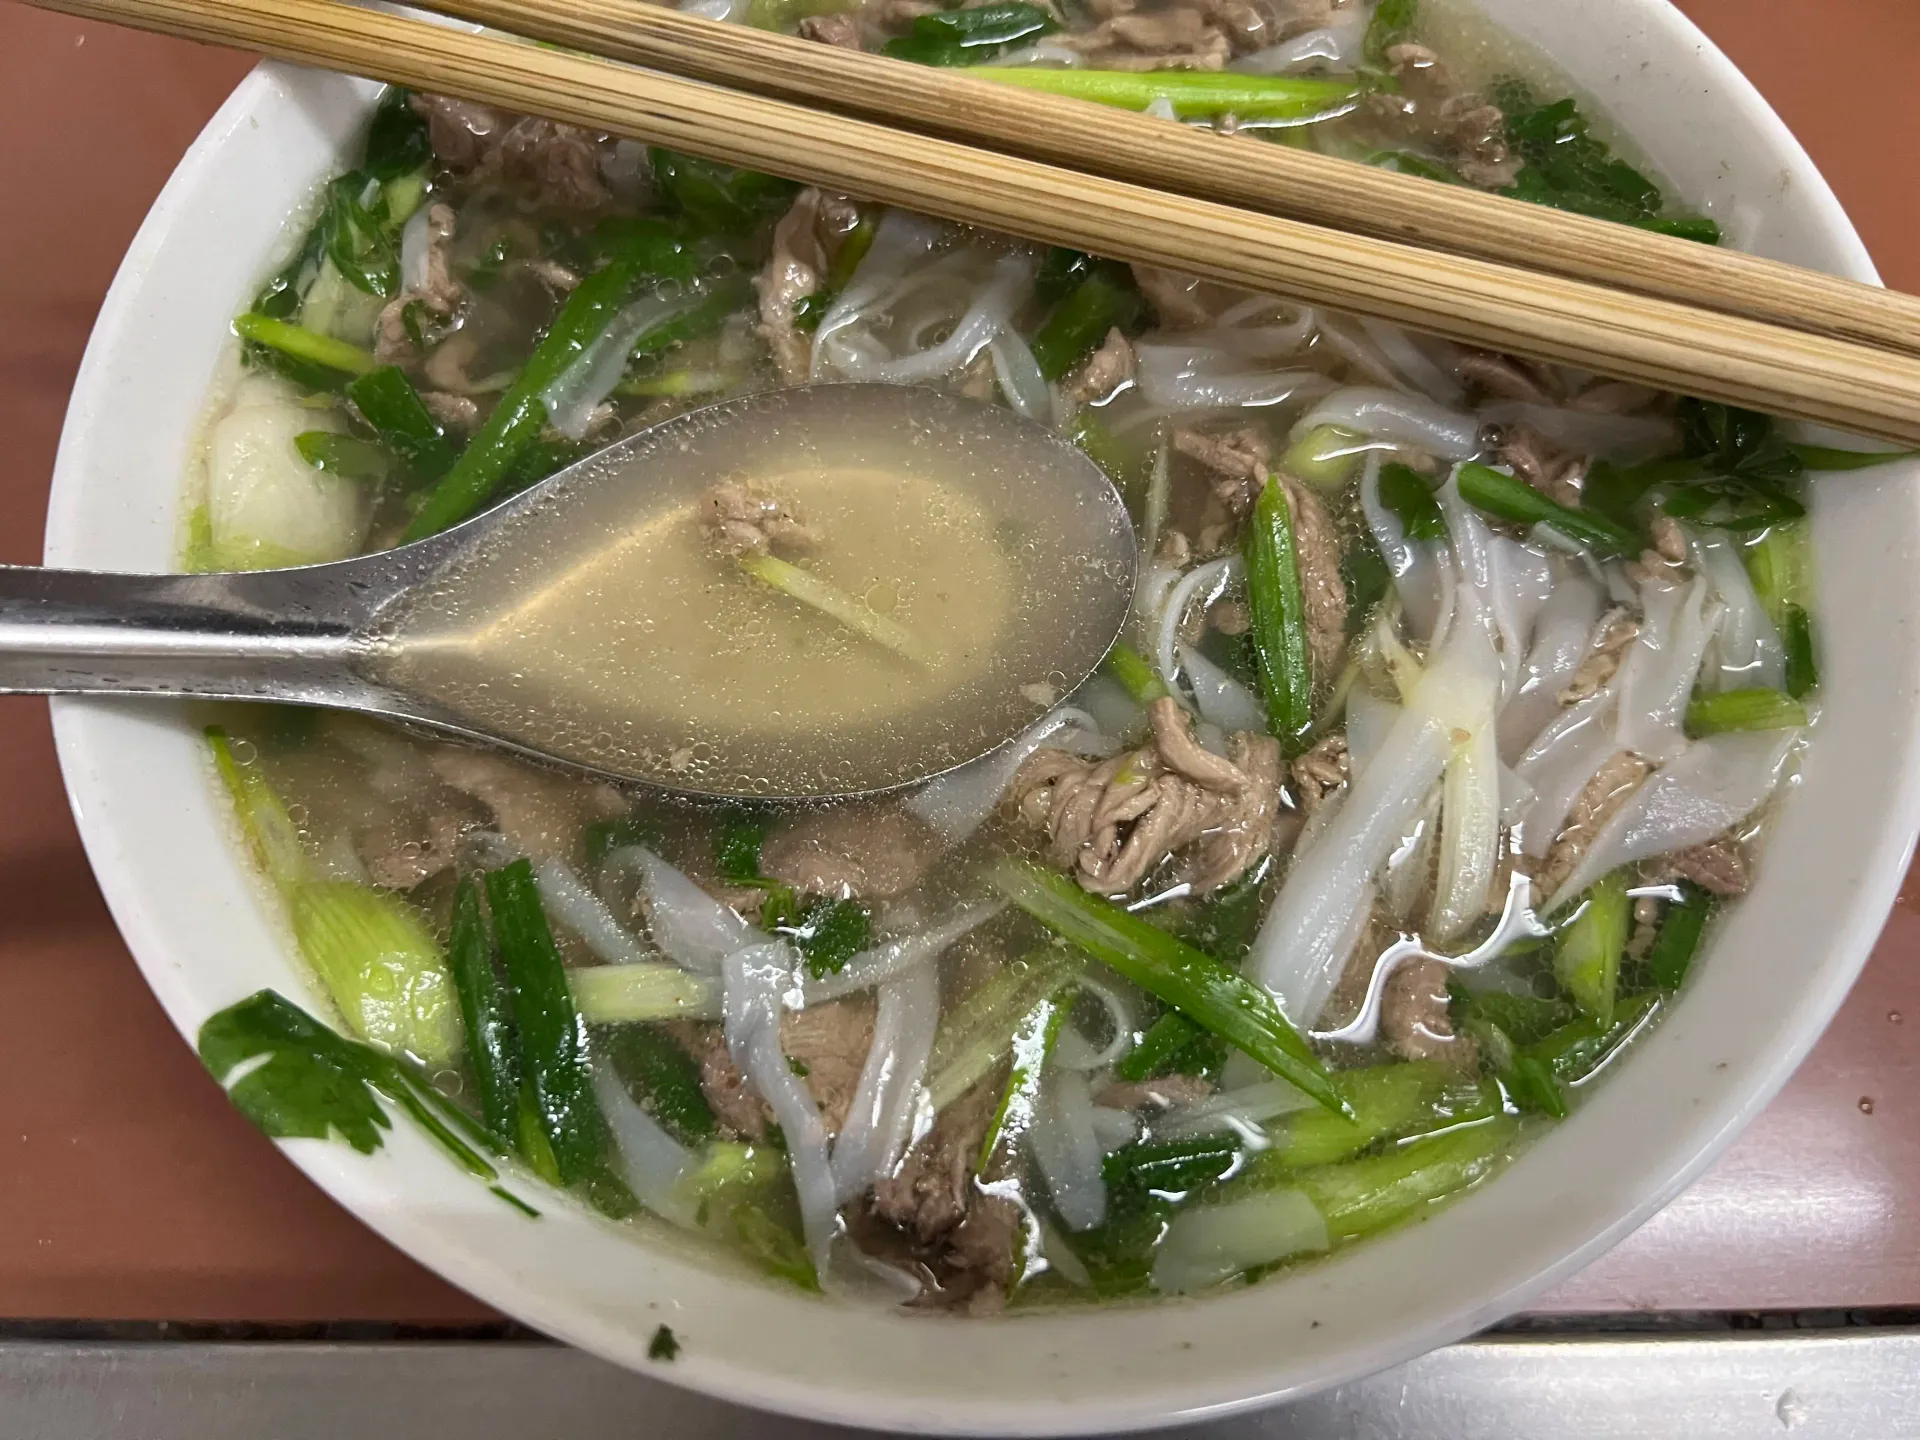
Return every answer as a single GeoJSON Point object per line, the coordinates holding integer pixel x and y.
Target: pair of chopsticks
{"type": "Point", "coordinates": [1472, 267]}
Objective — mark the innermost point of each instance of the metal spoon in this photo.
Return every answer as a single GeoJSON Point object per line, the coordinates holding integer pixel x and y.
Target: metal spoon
{"type": "Point", "coordinates": [336, 634]}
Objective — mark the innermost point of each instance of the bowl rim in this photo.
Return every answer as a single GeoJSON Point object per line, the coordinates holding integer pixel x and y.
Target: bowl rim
{"type": "Point", "coordinates": [161, 963]}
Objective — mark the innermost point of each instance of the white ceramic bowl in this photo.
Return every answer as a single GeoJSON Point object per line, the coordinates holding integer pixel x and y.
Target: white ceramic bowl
{"type": "Point", "coordinates": [205, 936]}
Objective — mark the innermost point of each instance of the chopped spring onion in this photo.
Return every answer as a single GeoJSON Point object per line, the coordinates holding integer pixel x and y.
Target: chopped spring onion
{"type": "Point", "coordinates": [553, 1036]}
{"type": "Point", "coordinates": [829, 600]}
{"type": "Point", "coordinates": [1279, 617]}
{"type": "Point", "coordinates": [978, 1032]}
{"type": "Point", "coordinates": [1752, 709]}
{"type": "Point", "coordinates": [1193, 94]}
{"type": "Point", "coordinates": [1361, 1197]}
{"type": "Point", "coordinates": [302, 344]}
{"type": "Point", "coordinates": [1033, 1042]}
{"type": "Point", "coordinates": [344, 455]}
{"type": "Point", "coordinates": [493, 1049]}
{"type": "Point", "coordinates": [1405, 492]}
{"type": "Point", "coordinates": [375, 954]}
{"type": "Point", "coordinates": [1206, 991]}
{"type": "Point", "coordinates": [1678, 939]}
{"type": "Point", "coordinates": [1136, 674]}
{"type": "Point", "coordinates": [388, 402]}
{"type": "Point", "coordinates": [1206, 1245]}
{"type": "Point", "coordinates": [615, 994]}
{"type": "Point", "coordinates": [1508, 498]}
{"type": "Point", "coordinates": [1325, 457]}
{"type": "Point", "coordinates": [1587, 958]}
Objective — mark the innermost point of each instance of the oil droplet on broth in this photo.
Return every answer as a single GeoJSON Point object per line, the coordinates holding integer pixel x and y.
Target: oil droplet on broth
{"type": "Point", "coordinates": [639, 649]}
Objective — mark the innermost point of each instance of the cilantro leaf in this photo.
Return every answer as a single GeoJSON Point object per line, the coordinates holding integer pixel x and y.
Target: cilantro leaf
{"type": "Point", "coordinates": [304, 1080]}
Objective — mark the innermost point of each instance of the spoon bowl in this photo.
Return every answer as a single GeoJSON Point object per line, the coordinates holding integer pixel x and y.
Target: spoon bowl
{"type": "Point", "coordinates": [969, 567]}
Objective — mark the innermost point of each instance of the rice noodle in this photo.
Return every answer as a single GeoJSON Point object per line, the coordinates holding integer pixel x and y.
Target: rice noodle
{"type": "Point", "coordinates": [1562, 634]}
{"type": "Point", "coordinates": [1159, 488]}
{"type": "Point", "coordinates": [1369, 721]}
{"type": "Point", "coordinates": [568, 900]}
{"type": "Point", "coordinates": [1410, 866]}
{"type": "Point", "coordinates": [1210, 580]}
{"type": "Point", "coordinates": [957, 803]}
{"type": "Point", "coordinates": [652, 1162]}
{"type": "Point", "coordinates": [1560, 762]}
{"type": "Point", "coordinates": [1297, 953]}
{"type": "Point", "coordinates": [1398, 419]}
{"type": "Point", "coordinates": [1067, 1150]}
{"type": "Point", "coordinates": [1220, 699]}
{"type": "Point", "coordinates": [893, 957]}
{"type": "Point", "coordinates": [1628, 439]}
{"type": "Point", "coordinates": [990, 311]}
{"type": "Point", "coordinates": [1185, 375]}
{"type": "Point", "coordinates": [901, 241]}
{"type": "Point", "coordinates": [591, 377]}
{"type": "Point", "coordinates": [1073, 1052]}
{"type": "Point", "coordinates": [757, 980]}
{"type": "Point", "coordinates": [1413, 363]}
{"type": "Point", "coordinates": [695, 930]}
{"type": "Point", "coordinates": [1747, 647]}
{"type": "Point", "coordinates": [1338, 45]}
{"type": "Point", "coordinates": [889, 1101]}
{"type": "Point", "coordinates": [1019, 377]}
{"type": "Point", "coordinates": [1114, 1128]}
{"type": "Point", "coordinates": [415, 252]}
{"type": "Point", "coordinates": [1657, 676]}
{"type": "Point", "coordinates": [1716, 784]}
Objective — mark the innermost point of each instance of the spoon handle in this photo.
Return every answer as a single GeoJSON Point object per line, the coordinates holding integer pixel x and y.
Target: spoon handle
{"type": "Point", "coordinates": [288, 635]}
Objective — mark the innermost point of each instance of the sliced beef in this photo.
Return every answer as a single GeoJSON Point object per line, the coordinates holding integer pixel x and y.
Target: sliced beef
{"type": "Point", "coordinates": [963, 1233]}
{"type": "Point", "coordinates": [560, 163]}
{"type": "Point", "coordinates": [826, 1044]}
{"type": "Point", "coordinates": [1248, 831]}
{"type": "Point", "coordinates": [1320, 772]}
{"type": "Point", "coordinates": [1613, 637]}
{"type": "Point", "coordinates": [1316, 550]}
{"type": "Point", "coordinates": [412, 846]}
{"type": "Point", "coordinates": [1174, 38]}
{"type": "Point", "coordinates": [857, 851]}
{"type": "Point", "coordinates": [1469, 133]}
{"type": "Point", "coordinates": [439, 294]}
{"type": "Point", "coordinates": [742, 520]}
{"type": "Point", "coordinates": [1112, 822]}
{"type": "Point", "coordinates": [1721, 866]}
{"type": "Point", "coordinates": [1504, 377]}
{"type": "Point", "coordinates": [805, 241]}
{"type": "Point", "coordinates": [1153, 1096]}
{"type": "Point", "coordinates": [1596, 805]}
{"type": "Point", "coordinates": [1181, 301]}
{"type": "Point", "coordinates": [1554, 472]}
{"type": "Point", "coordinates": [841, 30]}
{"type": "Point", "coordinates": [1414, 1017]}
{"type": "Point", "coordinates": [1236, 461]}
{"type": "Point", "coordinates": [540, 812]}
{"type": "Point", "coordinates": [1106, 370]}
{"type": "Point", "coordinates": [455, 412]}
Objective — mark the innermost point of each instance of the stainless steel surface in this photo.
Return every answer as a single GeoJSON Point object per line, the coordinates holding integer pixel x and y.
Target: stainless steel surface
{"type": "Point", "coordinates": [320, 634]}
{"type": "Point", "coordinates": [1845, 1385]}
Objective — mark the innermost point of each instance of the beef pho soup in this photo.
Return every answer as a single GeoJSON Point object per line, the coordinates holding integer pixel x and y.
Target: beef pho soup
{"type": "Point", "coordinates": [1455, 696]}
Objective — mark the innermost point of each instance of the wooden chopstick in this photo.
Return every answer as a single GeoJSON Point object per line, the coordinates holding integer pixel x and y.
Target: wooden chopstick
{"type": "Point", "coordinates": [1275, 179]}
{"type": "Point", "coordinates": [1656, 342]}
